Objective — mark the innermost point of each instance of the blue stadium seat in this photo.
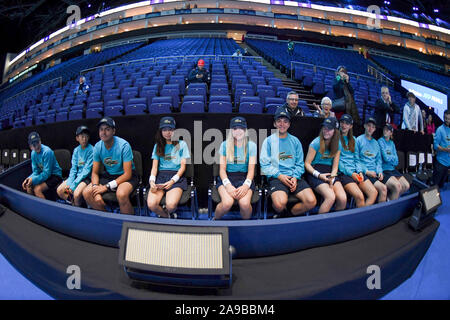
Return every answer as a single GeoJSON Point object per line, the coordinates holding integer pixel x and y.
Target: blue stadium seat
{"type": "Point", "coordinates": [192, 107]}
{"type": "Point", "coordinates": [250, 107]}
{"type": "Point", "coordinates": [220, 107]}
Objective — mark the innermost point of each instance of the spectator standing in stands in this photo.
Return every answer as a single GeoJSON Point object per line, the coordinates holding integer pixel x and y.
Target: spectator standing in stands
{"type": "Point", "coordinates": [394, 180]}
{"type": "Point", "coordinates": [322, 164]}
{"type": "Point", "coordinates": [290, 48]}
{"type": "Point", "coordinates": [343, 93]}
{"type": "Point", "coordinates": [424, 120]}
{"type": "Point", "coordinates": [442, 147]}
{"type": "Point", "coordinates": [199, 74]}
{"type": "Point", "coordinates": [431, 128]}
{"type": "Point", "coordinates": [120, 176]}
{"type": "Point", "coordinates": [237, 53]}
{"type": "Point", "coordinates": [281, 160]}
{"type": "Point", "coordinates": [291, 106]}
{"type": "Point", "coordinates": [246, 53]}
{"type": "Point", "coordinates": [368, 154]}
{"type": "Point", "coordinates": [351, 176]}
{"type": "Point", "coordinates": [384, 108]}
{"type": "Point", "coordinates": [237, 170]}
{"type": "Point", "coordinates": [324, 109]}
{"type": "Point", "coordinates": [82, 87]}
{"type": "Point", "coordinates": [80, 172]}
{"type": "Point", "coordinates": [412, 116]}
{"type": "Point", "coordinates": [46, 172]}
{"type": "Point", "coordinates": [168, 167]}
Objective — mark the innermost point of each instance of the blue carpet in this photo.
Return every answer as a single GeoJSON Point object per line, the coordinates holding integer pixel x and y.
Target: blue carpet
{"type": "Point", "coordinates": [14, 286]}
{"type": "Point", "coordinates": [431, 279]}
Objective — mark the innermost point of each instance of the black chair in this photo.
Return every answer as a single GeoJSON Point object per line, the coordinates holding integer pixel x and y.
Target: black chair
{"type": "Point", "coordinates": [401, 162]}
{"type": "Point", "coordinates": [189, 195]}
{"type": "Point", "coordinates": [5, 158]}
{"type": "Point", "coordinates": [136, 194]}
{"type": "Point", "coordinates": [24, 155]}
{"type": "Point", "coordinates": [64, 158]}
{"type": "Point", "coordinates": [14, 157]}
{"type": "Point", "coordinates": [214, 196]}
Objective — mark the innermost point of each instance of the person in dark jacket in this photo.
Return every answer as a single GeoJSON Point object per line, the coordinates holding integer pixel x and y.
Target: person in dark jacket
{"type": "Point", "coordinates": [385, 108]}
{"type": "Point", "coordinates": [199, 74]}
{"type": "Point", "coordinates": [291, 105]}
{"type": "Point", "coordinates": [343, 88]}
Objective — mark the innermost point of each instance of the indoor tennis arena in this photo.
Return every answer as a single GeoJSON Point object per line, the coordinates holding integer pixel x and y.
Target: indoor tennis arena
{"type": "Point", "coordinates": [218, 150]}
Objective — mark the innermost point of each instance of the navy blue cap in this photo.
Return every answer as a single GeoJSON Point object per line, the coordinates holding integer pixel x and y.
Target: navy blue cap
{"type": "Point", "coordinates": [82, 129]}
{"type": "Point", "coordinates": [330, 123]}
{"type": "Point", "coordinates": [347, 118]}
{"type": "Point", "coordinates": [167, 122]}
{"type": "Point", "coordinates": [281, 112]}
{"type": "Point", "coordinates": [238, 122]}
{"type": "Point", "coordinates": [33, 137]}
{"type": "Point", "coordinates": [108, 121]}
{"type": "Point", "coordinates": [371, 120]}
{"type": "Point", "coordinates": [389, 127]}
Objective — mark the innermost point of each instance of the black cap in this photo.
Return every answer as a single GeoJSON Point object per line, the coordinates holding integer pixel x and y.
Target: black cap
{"type": "Point", "coordinates": [330, 123]}
{"type": "Point", "coordinates": [33, 137]}
{"type": "Point", "coordinates": [389, 127]}
{"type": "Point", "coordinates": [238, 122]}
{"type": "Point", "coordinates": [371, 120]}
{"type": "Point", "coordinates": [82, 129]}
{"type": "Point", "coordinates": [347, 118]}
{"type": "Point", "coordinates": [281, 112]}
{"type": "Point", "coordinates": [167, 122]}
{"type": "Point", "coordinates": [108, 121]}
{"type": "Point", "coordinates": [410, 94]}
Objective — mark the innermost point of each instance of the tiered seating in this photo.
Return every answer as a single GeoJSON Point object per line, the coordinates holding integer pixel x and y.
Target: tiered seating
{"type": "Point", "coordinates": [276, 51]}
{"type": "Point", "coordinates": [399, 67]}
{"type": "Point", "coordinates": [15, 107]}
{"type": "Point", "coordinates": [318, 72]}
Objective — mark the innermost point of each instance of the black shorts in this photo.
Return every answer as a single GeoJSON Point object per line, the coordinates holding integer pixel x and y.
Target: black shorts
{"type": "Point", "coordinates": [391, 173]}
{"type": "Point", "coordinates": [165, 175]}
{"type": "Point", "coordinates": [373, 180]}
{"type": "Point", "coordinates": [53, 181]}
{"type": "Point", "coordinates": [106, 177]}
{"type": "Point", "coordinates": [277, 185]}
{"type": "Point", "coordinates": [315, 182]}
{"type": "Point", "coordinates": [237, 179]}
{"type": "Point", "coordinates": [345, 180]}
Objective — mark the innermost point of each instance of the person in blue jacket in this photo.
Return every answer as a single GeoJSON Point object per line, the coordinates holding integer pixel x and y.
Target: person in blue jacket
{"type": "Point", "coordinates": [46, 170]}
{"type": "Point", "coordinates": [355, 183]}
{"type": "Point", "coordinates": [120, 174]}
{"type": "Point", "coordinates": [281, 160]}
{"type": "Point", "coordinates": [394, 180]}
{"type": "Point", "coordinates": [80, 172]}
{"type": "Point", "coordinates": [237, 170]}
{"type": "Point", "coordinates": [322, 164]}
{"type": "Point", "coordinates": [168, 167]}
{"type": "Point", "coordinates": [368, 154]}
{"type": "Point", "coordinates": [442, 148]}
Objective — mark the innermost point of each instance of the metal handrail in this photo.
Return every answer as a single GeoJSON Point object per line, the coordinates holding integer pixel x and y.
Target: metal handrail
{"type": "Point", "coordinates": [315, 67]}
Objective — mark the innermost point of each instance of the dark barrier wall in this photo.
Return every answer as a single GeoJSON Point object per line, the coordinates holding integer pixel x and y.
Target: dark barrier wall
{"type": "Point", "coordinates": [140, 131]}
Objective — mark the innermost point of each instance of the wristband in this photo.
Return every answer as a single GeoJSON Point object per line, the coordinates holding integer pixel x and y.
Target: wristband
{"type": "Point", "coordinates": [112, 185]}
{"type": "Point", "coordinates": [248, 182]}
{"type": "Point", "coordinates": [175, 178]}
{"type": "Point", "coordinates": [226, 181]}
{"type": "Point", "coordinates": [316, 174]}
{"type": "Point", "coordinates": [152, 178]}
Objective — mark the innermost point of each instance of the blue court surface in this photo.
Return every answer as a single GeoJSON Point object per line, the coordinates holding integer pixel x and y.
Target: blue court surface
{"type": "Point", "coordinates": [431, 280]}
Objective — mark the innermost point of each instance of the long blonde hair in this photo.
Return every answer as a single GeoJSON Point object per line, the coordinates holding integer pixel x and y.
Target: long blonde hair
{"type": "Point", "coordinates": [229, 146]}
